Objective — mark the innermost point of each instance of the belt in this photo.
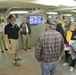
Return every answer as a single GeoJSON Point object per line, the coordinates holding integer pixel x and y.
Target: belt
{"type": "Point", "coordinates": [51, 60]}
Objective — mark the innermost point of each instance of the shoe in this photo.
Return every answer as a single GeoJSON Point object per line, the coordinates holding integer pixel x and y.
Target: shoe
{"type": "Point", "coordinates": [25, 49]}
{"type": "Point", "coordinates": [71, 69]}
{"type": "Point", "coordinates": [6, 49]}
{"type": "Point", "coordinates": [29, 47]}
{"type": "Point", "coordinates": [2, 51]}
{"type": "Point", "coordinates": [16, 64]}
{"type": "Point", "coordinates": [18, 59]}
{"type": "Point", "coordinates": [65, 64]}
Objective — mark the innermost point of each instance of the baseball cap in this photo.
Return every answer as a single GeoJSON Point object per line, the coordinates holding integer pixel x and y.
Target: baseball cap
{"type": "Point", "coordinates": [50, 22]}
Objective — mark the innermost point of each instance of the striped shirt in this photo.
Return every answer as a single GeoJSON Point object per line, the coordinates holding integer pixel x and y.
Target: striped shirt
{"type": "Point", "coordinates": [49, 46]}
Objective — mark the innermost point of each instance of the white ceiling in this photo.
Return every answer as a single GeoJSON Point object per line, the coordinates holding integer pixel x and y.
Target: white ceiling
{"type": "Point", "coordinates": [31, 5]}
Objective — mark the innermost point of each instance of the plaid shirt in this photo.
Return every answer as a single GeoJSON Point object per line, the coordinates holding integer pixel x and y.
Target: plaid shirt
{"type": "Point", "coordinates": [49, 46]}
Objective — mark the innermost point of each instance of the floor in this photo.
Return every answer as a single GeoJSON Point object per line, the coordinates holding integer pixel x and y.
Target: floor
{"type": "Point", "coordinates": [29, 65]}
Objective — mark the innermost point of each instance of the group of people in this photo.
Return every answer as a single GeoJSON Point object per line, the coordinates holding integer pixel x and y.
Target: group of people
{"type": "Point", "coordinates": [49, 47]}
{"type": "Point", "coordinates": [51, 44]}
{"type": "Point", "coordinates": [11, 34]}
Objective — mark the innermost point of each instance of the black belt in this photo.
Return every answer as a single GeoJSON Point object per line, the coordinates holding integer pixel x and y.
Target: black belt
{"type": "Point", "coordinates": [50, 60]}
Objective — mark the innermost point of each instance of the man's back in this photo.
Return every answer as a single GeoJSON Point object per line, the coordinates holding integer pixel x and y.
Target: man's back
{"type": "Point", "coordinates": [51, 45]}
{"type": "Point", "coordinates": [60, 29]}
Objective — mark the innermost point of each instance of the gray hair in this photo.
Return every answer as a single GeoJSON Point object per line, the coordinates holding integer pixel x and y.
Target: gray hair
{"type": "Point", "coordinates": [51, 23]}
{"type": "Point", "coordinates": [73, 23]}
{"type": "Point", "coordinates": [53, 26]}
{"type": "Point", "coordinates": [58, 21]}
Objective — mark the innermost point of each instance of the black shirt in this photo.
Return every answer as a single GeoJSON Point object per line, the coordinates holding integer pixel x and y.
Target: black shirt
{"type": "Point", "coordinates": [60, 29]}
{"type": "Point", "coordinates": [12, 31]}
{"type": "Point", "coordinates": [73, 37]}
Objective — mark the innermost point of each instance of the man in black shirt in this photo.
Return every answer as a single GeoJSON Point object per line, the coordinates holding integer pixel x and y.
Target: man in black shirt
{"type": "Point", "coordinates": [11, 34]}
{"type": "Point", "coordinates": [59, 27]}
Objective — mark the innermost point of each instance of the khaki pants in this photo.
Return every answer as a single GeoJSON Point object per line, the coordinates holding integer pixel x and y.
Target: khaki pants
{"type": "Point", "coordinates": [3, 44]}
{"type": "Point", "coordinates": [1, 38]}
{"type": "Point", "coordinates": [15, 46]}
{"type": "Point", "coordinates": [26, 40]}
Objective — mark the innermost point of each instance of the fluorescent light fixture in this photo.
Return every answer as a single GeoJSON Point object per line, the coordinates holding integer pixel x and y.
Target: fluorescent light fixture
{"type": "Point", "coordinates": [18, 12]}
{"type": "Point", "coordinates": [67, 14]}
{"type": "Point", "coordinates": [73, 10]}
{"type": "Point", "coordinates": [51, 12]}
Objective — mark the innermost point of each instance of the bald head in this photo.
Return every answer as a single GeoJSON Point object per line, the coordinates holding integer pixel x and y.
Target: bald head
{"type": "Point", "coordinates": [25, 20]}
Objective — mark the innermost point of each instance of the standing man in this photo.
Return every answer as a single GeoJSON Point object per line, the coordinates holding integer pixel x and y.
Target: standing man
{"type": "Point", "coordinates": [4, 41]}
{"type": "Point", "coordinates": [11, 34]}
{"type": "Point", "coordinates": [59, 27]}
{"type": "Point", "coordinates": [2, 38]}
{"type": "Point", "coordinates": [26, 31]}
{"type": "Point", "coordinates": [49, 48]}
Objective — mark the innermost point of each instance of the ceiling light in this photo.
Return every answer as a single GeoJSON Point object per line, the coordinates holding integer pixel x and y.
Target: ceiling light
{"type": "Point", "coordinates": [73, 10]}
{"type": "Point", "coordinates": [67, 14]}
{"type": "Point", "coordinates": [18, 12]}
{"type": "Point", "coordinates": [51, 12]}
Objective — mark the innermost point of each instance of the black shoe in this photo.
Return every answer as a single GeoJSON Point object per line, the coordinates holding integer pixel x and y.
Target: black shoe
{"type": "Point", "coordinates": [25, 49]}
{"type": "Point", "coordinates": [6, 49]}
{"type": "Point", "coordinates": [29, 47]}
{"type": "Point", "coordinates": [2, 51]}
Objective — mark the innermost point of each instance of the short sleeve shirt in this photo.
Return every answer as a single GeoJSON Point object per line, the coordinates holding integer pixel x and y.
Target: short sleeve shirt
{"type": "Point", "coordinates": [12, 31]}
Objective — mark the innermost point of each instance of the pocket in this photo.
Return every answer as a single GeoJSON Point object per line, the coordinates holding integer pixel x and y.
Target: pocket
{"type": "Point", "coordinates": [44, 65]}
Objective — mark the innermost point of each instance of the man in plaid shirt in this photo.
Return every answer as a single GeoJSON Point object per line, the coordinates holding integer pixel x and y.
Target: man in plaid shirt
{"type": "Point", "coordinates": [49, 47]}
